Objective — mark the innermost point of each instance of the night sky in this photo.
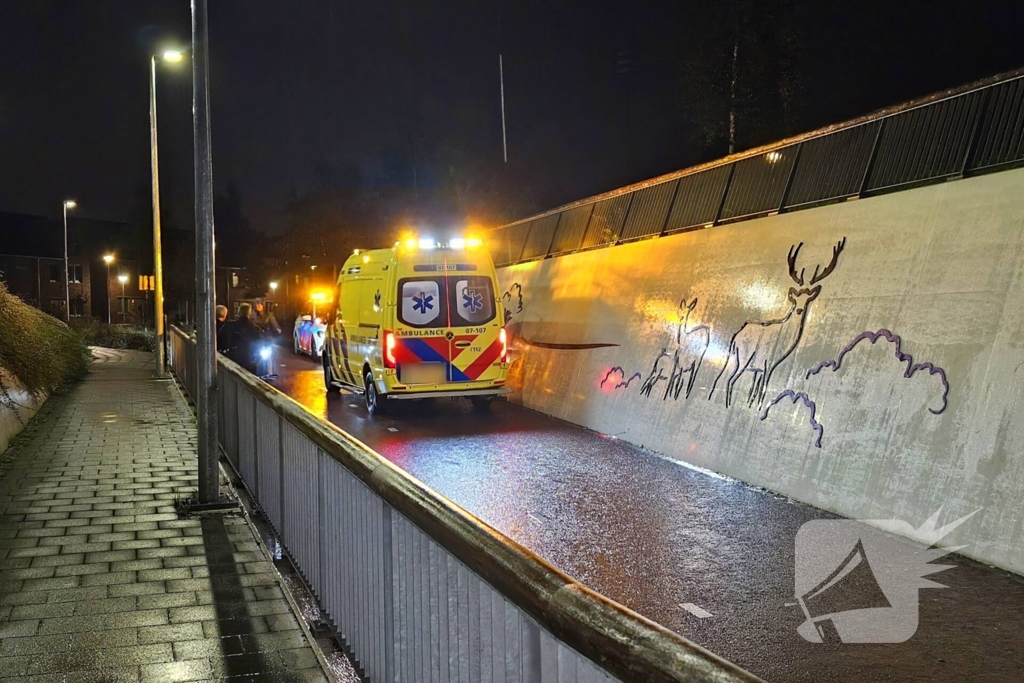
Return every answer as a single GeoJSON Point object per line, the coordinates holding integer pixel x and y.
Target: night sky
{"type": "Point", "coordinates": [302, 88]}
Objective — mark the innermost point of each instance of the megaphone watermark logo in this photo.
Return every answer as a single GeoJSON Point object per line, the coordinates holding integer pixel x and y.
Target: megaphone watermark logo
{"type": "Point", "coordinates": [858, 584]}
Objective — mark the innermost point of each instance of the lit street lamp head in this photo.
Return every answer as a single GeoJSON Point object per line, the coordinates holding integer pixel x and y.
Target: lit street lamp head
{"type": "Point", "coordinates": [173, 55]}
{"type": "Point", "coordinates": [108, 258]}
{"type": "Point", "coordinates": [70, 204]}
{"type": "Point", "coordinates": [122, 279]}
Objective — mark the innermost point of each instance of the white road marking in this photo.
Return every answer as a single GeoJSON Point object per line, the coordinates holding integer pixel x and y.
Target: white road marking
{"type": "Point", "coordinates": [695, 611]}
{"type": "Point", "coordinates": [392, 429]}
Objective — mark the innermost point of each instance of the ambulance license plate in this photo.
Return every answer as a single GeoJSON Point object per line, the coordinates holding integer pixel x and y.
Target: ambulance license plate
{"type": "Point", "coordinates": [422, 373]}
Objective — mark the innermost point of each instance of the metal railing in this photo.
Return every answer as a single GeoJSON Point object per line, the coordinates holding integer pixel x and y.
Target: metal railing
{"type": "Point", "coordinates": [978, 128]}
{"type": "Point", "coordinates": [418, 588]}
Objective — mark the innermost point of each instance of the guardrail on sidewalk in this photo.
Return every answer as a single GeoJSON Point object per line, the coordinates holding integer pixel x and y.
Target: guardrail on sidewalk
{"type": "Point", "coordinates": [419, 588]}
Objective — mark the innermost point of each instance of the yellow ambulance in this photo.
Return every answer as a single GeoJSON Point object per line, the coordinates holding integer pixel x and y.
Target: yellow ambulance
{"type": "Point", "coordinates": [420, 320]}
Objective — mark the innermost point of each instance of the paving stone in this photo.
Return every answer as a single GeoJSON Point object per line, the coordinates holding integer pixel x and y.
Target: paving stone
{"type": "Point", "coordinates": [137, 544]}
{"type": "Point", "coordinates": [15, 666]}
{"type": "Point", "coordinates": [83, 569]}
{"type": "Point", "coordinates": [34, 551]}
{"type": "Point", "coordinates": [52, 584]}
{"type": "Point", "coordinates": [31, 645]}
{"type": "Point", "coordinates": [135, 565]}
{"type": "Point", "coordinates": [111, 556]}
{"type": "Point", "coordinates": [50, 609]}
{"type": "Point", "coordinates": [16, 629]}
{"type": "Point", "coordinates": [105, 606]}
{"type": "Point", "coordinates": [144, 588]}
{"type": "Point", "coordinates": [80, 593]}
{"type": "Point", "coordinates": [93, 622]}
{"type": "Point", "coordinates": [107, 674]}
{"type": "Point", "coordinates": [24, 598]}
{"type": "Point", "coordinates": [112, 537]}
{"type": "Point", "coordinates": [208, 647]}
{"type": "Point", "coordinates": [166, 600]}
{"type": "Point", "coordinates": [122, 637]}
{"type": "Point", "coordinates": [190, 670]}
{"type": "Point", "coordinates": [108, 579]}
{"type": "Point", "coordinates": [179, 615]}
{"type": "Point", "coordinates": [171, 633]}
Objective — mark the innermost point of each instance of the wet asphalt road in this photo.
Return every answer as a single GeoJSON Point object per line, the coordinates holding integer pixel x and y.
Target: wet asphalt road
{"type": "Point", "coordinates": [654, 535]}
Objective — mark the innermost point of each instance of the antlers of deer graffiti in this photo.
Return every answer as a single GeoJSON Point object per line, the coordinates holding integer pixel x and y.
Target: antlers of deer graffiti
{"type": "Point", "coordinates": [816, 278]}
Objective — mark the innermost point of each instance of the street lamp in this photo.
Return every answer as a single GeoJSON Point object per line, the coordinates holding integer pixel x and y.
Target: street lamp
{"type": "Point", "coordinates": [68, 204]}
{"type": "Point", "coordinates": [273, 288]}
{"type": "Point", "coordinates": [124, 308]}
{"type": "Point", "coordinates": [108, 259]}
{"type": "Point", "coordinates": [172, 56]}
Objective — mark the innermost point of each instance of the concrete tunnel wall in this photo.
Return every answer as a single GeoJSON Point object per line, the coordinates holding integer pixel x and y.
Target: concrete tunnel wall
{"type": "Point", "coordinates": [897, 393]}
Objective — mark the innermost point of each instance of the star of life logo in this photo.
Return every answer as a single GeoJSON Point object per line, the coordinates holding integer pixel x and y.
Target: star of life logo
{"type": "Point", "coordinates": [858, 584]}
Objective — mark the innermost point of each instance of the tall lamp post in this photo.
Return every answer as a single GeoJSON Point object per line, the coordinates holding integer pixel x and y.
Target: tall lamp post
{"type": "Point", "coordinates": [206, 350]}
{"type": "Point", "coordinates": [108, 259]}
{"type": "Point", "coordinates": [158, 265]}
{"type": "Point", "coordinates": [124, 307]}
{"type": "Point", "coordinates": [68, 204]}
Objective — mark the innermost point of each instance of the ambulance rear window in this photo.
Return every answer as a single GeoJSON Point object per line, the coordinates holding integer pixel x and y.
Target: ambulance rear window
{"type": "Point", "coordinates": [423, 303]}
{"type": "Point", "coordinates": [472, 300]}
{"type": "Point", "coordinates": [440, 301]}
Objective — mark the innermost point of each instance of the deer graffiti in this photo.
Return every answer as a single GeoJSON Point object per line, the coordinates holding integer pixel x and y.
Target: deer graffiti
{"type": "Point", "coordinates": [686, 360]}
{"type": "Point", "coordinates": [760, 346]}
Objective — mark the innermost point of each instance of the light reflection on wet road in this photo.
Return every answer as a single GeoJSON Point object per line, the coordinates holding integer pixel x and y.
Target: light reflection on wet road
{"type": "Point", "coordinates": [653, 535]}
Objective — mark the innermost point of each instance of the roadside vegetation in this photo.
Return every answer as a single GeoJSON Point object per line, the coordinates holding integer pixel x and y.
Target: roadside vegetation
{"type": "Point", "coordinates": [95, 333]}
{"type": "Point", "coordinates": [41, 351]}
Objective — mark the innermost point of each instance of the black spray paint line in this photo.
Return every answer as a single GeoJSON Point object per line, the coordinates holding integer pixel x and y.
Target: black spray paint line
{"type": "Point", "coordinates": [622, 373]}
{"type": "Point", "coordinates": [754, 345]}
{"type": "Point", "coordinates": [564, 347]}
{"type": "Point", "coordinates": [903, 357]}
{"type": "Point", "coordinates": [795, 396]}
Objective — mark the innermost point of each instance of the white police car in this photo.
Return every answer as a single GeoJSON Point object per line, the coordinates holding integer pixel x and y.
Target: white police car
{"type": "Point", "coordinates": [308, 337]}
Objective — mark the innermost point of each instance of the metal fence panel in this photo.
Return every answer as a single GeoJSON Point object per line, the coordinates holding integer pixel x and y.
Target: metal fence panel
{"type": "Point", "coordinates": [698, 198]}
{"type": "Point", "coordinates": [1001, 136]}
{"type": "Point", "coordinates": [300, 531]}
{"type": "Point", "coordinates": [832, 166]}
{"type": "Point", "coordinates": [649, 211]}
{"type": "Point", "coordinates": [353, 542]}
{"type": "Point", "coordinates": [925, 143]}
{"type": "Point", "coordinates": [605, 225]}
{"type": "Point", "coordinates": [506, 244]}
{"type": "Point", "coordinates": [247, 439]}
{"type": "Point", "coordinates": [571, 229]}
{"type": "Point", "coordinates": [268, 463]}
{"type": "Point", "coordinates": [229, 427]}
{"type": "Point", "coordinates": [539, 239]}
{"type": "Point", "coordinates": [759, 183]}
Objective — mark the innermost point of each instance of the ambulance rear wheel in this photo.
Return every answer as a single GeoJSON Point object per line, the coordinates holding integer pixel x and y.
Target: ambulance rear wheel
{"type": "Point", "coordinates": [332, 388]}
{"type": "Point", "coordinates": [375, 403]}
{"type": "Point", "coordinates": [481, 404]}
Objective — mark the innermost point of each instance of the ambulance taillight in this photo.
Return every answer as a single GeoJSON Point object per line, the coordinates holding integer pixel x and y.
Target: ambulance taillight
{"type": "Point", "coordinates": [389, 350]}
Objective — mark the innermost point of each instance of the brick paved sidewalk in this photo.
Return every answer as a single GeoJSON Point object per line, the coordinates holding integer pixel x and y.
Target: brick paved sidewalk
{"type": "Point", "coordinates": [99, 578]}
